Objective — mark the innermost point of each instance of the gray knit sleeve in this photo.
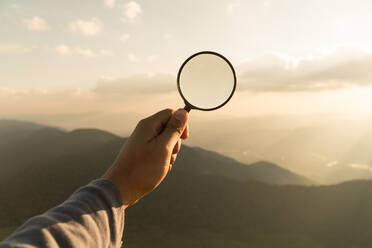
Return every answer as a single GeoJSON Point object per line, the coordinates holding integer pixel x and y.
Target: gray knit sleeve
{"type": "Point", "coordinates": [93, 216]}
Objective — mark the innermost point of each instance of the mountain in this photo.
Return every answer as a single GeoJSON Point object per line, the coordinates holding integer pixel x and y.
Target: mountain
{"type": "Point", "coordinates": [212, 211]}
{"type": "Point", "coordinates": [48, 146]}
{"type": "Point", "coordinates": [207, 200]}
{"type": "Point", "coordinates": [207, 162]}
{"type": "Point", "coordinates": [13, 130]}
{"type": "Point", "coordinates": [326, 149]}
{"type": "Point", "coordinates": [46, 164]}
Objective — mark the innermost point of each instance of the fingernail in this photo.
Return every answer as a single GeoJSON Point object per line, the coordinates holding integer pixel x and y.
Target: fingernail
{"type": "Point", "coordinates": [180, 115]}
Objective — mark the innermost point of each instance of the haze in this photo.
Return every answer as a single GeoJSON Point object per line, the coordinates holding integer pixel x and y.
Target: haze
{"type": "Point", "coordinates": [108, 63]}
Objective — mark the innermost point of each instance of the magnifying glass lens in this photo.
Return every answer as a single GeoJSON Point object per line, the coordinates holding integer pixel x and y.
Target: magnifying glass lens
{"type": "Point", "coordinates": [206, 81]}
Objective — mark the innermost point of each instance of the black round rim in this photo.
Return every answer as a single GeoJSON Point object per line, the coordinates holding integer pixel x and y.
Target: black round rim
{"type": "Point", "coordinates": [179, 76]}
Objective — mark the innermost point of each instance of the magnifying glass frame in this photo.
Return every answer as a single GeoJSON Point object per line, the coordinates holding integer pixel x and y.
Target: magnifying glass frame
{"type": "Point", "coordinates": [189, 106]}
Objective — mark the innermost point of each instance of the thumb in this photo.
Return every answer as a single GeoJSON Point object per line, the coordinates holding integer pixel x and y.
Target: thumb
{"type": "Point", "coordinates": [174, 128]}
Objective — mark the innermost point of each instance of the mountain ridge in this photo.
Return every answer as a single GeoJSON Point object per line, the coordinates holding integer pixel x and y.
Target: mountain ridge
{"type": "Point", "coordinates": [203, 202]}
{"type": "Point", "coordinates": [86, 139]}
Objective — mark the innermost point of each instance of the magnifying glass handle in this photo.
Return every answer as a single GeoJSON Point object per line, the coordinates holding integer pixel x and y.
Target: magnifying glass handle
{"type": "Point", "coordinates": [187, 108]}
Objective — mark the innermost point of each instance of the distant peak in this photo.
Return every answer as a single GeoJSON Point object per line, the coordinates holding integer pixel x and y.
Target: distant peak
{"type": "Point", "coordinates": [265, 164]}
{"type": "Point", "coordinates": [92, 132]}
{"type": "Point", "coordinates": [9, 123]}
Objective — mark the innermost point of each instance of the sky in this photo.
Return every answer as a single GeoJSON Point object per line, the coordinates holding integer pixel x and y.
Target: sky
{"type": "Point", "coordinates": [84, 63]}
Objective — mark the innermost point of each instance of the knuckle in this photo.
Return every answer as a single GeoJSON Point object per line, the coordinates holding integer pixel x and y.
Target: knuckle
{"type": "Point", "coordinates": [174, 128]}
{"type": "Point", "coordinates": [168, 149]}
{"type": "Point", "coordinates": [163, 150]}
{"type": "Point", "coordinates": [142, 123]}
{"type": "Point", "coordinates": [165, 153]}
{"type": "Point", "coordinates": [169, 111]}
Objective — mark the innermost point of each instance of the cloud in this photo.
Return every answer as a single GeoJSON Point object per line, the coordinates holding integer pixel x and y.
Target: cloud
{"type": "Point", "coordinates": [132, 10]}
{"type": "Point", "coordinates": [136, 84]}
{"type": "Point", "coordinates": [337, 69]}
{"type": "Point", "coordinates": [124, 37]}
{"type": "Point", "coordinates": [86, 52]}
{"type": "Point", "coordinates": [148, 59]}
{"type": "Point", "coordinates": [87, 27]}
{"type": "Point", "coordinates": [6, 92]}
{"type": "Point", "coordinates": [65, 50]}
{"type": "Point", "coordinates": [120, 100]}
{"type": "Point", "coordinates": [73, 108]}
{"type": "Point", "coordinates": [361, 167]}
{"type": "Point", "coordinates": [109, 3]}
{"type": "Point", "coordinates": [13, 48]}
{"type": "Point", "coordinates": [133, 58]}
{"type": "Point", "coordinates": [105, 52]}
{"type": "Point", "coordinates": [28, 101]}
{"type": "Point", "coordinates": [144, 84]}
{"type": "Point", "coordinates": [136, 93]}
{"type": "Point", "coordinates": [36, 23]}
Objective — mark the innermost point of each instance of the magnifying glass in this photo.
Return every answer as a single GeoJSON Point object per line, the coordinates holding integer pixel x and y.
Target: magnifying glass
{"type": "Point", "coordinates": [206, 81]}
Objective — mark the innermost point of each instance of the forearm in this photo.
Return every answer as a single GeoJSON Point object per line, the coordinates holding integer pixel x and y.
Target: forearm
{"type": "Point", "coordinates": [92, 217]}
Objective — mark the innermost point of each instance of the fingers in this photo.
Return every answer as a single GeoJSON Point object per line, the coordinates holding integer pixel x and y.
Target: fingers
{"type": "Point", "coordinates": [185, 134]}
{"type": "Point", "coordinates": [160, 119]}
{"type": "Point", "coordinates": [174, 129]}
{"type": "Point", "coordinates": [151, 126]}
{"type": "Point", "coordinates": [177, 147]}
{"type": "Point", "coordinates": [173, 159]}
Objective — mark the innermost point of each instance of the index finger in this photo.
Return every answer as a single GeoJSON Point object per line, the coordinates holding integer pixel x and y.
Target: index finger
{"type": "Point", "coordinates": [160, 119]}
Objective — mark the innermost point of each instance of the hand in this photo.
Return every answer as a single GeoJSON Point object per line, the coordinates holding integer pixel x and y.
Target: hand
{"type": "Point", "coordinates": [148, 154]}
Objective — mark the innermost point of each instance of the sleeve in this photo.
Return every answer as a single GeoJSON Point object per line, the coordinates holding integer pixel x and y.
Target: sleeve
{"type": "Point", "coordinates": [93, 216]}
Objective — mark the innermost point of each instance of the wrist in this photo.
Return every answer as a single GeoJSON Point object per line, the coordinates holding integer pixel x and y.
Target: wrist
{"type": "Point", "coordinates": [128, 198]}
